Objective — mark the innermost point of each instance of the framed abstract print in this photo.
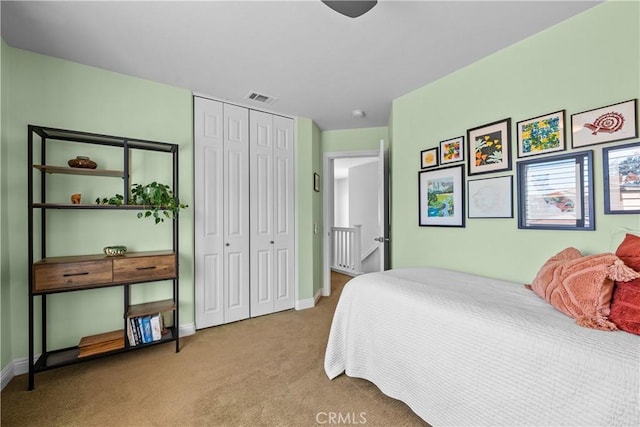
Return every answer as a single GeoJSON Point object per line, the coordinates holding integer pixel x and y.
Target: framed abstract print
{"type": "Point", "coordinates": [429, 158]}
{"type": "Point", "coordinates": [491, 197]}
{"type": "Point", "coordinates": [452, 150]}
{"type": "Point", "coordinates": [489, 147]}
{"type": "Point", "coordinates": [541, 135]}
{"type": "Point", "coordinates": [606, 124]}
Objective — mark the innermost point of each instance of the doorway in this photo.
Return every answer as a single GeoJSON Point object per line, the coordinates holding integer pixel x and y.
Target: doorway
{"type": "Point", "coordinates": [346, 213]}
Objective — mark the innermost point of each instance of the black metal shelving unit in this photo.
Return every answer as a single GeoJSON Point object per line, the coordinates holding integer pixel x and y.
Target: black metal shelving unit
{"type": "Point", "coordinates": [44, 136]}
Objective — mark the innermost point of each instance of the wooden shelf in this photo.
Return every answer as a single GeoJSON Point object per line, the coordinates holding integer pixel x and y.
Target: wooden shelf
{"type": "Point", "coordinates": [79, 171]}
{"type": "Point", "coordinates": [87, 206]}
{"type": "Point", "coordinates": [101, 343]}
{"type": "Point", "coordinates": [149, 308]}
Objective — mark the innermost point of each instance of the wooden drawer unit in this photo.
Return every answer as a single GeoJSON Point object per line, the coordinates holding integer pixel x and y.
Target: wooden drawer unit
{"type": "Point", "coordinates": [94, 271]}
{"type": "Point", "coordinates": [52, 276]}
{"type": "Point", "coordinates": [133, 269]}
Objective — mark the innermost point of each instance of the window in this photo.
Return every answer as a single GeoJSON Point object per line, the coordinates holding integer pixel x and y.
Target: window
{"type": "Point", "coordinates": [555, 193]}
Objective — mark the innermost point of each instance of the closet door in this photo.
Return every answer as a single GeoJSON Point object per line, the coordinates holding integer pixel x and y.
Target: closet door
{"type": "Point", "coordinates": [236, 213]}
{"type": "Point", "coordinates": [221, 133]}
{"type": "Point", "coordinates": [209, 226]}
{"type": "Point", "coordinates": [283, 214]}
{"type": "Point", "coordinates": [272, 226]}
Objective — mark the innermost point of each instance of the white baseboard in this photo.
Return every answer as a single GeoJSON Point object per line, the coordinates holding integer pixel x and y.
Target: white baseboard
{"type": "Point", "coordinates": [20, 366]}
{"type": "Point", "coordinates": [304, 304]}
{"type": "Point", "coordinates": [187, 329]}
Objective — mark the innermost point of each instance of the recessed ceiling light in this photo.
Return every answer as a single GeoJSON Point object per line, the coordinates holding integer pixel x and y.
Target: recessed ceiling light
{"type": "Point", "coordinates": [358, 114]}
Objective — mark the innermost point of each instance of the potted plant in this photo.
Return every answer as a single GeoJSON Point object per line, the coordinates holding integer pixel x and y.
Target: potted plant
{"type": "Point", "coordinates": [157, 199]}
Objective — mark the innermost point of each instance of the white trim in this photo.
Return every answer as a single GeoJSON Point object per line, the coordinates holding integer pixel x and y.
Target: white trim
{"type": "Point", "coordinates": [17, 367]}
{"type": "Point", "coordinates": [309, 302]}
{"type": "Point", "coordinates": [187, 329]}
{"type": "Point", "coordinates": [327, 207]}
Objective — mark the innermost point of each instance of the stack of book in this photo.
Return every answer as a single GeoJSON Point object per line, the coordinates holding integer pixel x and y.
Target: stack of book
{"type": "Point", "coordinates": [145, 329]}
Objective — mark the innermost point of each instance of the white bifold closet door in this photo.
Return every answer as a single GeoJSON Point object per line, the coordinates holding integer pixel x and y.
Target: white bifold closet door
{"type": "Point", "coordinates": [272, 213]}
{"type": "Point", "coordinates": [221, 204]}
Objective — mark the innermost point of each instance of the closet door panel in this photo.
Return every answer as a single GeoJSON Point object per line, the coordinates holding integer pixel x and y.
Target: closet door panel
{"type": "Point", "coordinates": [261, 218]}
{"type": "Point", "coordinates": [236, 213]}
{"type": "Point", "coordinates": [208, 188]}
{"type": "Point", "coordinates": [284, 225]}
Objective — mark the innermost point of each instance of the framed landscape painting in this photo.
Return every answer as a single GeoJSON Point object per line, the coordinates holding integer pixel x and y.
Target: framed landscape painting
{"type": "Point", "coordinates": [441, 197]}
{"type": "Point", "coordinates": [541, 135]}
{"type": "Point", "coordinates": [621, 166]}
{"type": "Point", "coordinates": [489, 147]}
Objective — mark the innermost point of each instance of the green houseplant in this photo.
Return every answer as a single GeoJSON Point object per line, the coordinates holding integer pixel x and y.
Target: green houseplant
{"type": "Point", "coordinates": [157, 199]}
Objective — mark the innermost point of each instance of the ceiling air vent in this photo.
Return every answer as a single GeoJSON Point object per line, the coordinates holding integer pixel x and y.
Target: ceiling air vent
{"type": "Point", "coordinates": [261, 98]}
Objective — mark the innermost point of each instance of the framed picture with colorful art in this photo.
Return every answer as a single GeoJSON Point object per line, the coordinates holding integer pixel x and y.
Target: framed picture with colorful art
{"type": "Point", "coordinates": [441, 197]}
{"type": "Point", "coordinates": [489, 147]}
{"type": "Point", "coordinates": [452, 150]}
{"type": "Point", "coordinates": [606, 124]}
{"type": "Point", "coordinates": [621, 166]}
{"type": "Point", "coordinates": [541, 135]}
{"type": "Point", "coordinates": [429, 158]}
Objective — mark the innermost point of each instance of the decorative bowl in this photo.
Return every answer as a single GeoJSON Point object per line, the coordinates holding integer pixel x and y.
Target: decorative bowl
{"type": "Point", "coordinates": [82, 162]}
{"type": "Point", "coordinates": [115, 250]}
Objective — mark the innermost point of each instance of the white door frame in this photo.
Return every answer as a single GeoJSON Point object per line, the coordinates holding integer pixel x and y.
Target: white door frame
{"type": "Point", "coordinates": [327, 207]}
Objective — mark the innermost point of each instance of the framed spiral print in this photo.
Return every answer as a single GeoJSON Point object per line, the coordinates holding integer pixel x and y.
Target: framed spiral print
{"type": "Point", "coordinates": [605, 124]}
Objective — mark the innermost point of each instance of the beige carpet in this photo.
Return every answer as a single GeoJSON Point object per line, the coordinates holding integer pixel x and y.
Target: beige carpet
{"type": "Point", "coordinates": [266, 371]}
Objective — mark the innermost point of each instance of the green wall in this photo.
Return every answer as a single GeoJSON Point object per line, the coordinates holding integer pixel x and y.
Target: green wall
{"type": "Point", "coordinates": [364, 139]}
{"type": "Point", "coordinates": [46, 91]}
{"type": "Point", "coordinates": [306, 146]}
{"type": "Point", "coordinates": [561, 68]}
{"type": "Point", "coordinates": [5, 289]}
{"type": "Point", "coordinates": [51, 92]}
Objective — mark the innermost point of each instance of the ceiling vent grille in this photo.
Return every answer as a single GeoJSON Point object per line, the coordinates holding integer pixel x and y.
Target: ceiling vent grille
{"type": "Point", "coordinates": [261, 98]}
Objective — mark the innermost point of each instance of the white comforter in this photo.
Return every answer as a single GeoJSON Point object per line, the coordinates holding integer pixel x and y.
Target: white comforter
{"type": "Point", "coordinates": [467, 350]}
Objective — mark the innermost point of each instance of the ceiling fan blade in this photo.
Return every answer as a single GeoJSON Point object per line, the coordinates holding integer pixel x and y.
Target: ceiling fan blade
{"type": "Point", "coordinates": [352, 9]}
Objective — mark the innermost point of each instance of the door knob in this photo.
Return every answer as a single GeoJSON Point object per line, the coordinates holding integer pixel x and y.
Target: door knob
{"type": "Point", "coordinates": [380, 239]}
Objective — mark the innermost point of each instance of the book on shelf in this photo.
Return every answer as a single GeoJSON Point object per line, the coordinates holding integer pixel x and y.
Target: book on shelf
{"type": "Point", "coordinates": [145, 329]}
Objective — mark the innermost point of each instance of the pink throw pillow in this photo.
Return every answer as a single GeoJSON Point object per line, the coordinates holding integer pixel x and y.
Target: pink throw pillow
{"type": "Point", "coordinates": [581, 286]}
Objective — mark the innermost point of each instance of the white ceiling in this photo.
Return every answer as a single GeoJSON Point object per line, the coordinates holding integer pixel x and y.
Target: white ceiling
{"type": "Point", "coordinates": [319, 64]}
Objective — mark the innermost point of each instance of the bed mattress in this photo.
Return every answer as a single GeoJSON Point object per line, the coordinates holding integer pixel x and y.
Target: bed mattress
{"type": "Point", "coordinates": [461, 349]}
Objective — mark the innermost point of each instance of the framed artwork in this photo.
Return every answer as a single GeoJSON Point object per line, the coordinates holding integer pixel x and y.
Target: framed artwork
{"type": "Point", "coordinates": [429, 158]}
{"type": "Point", "coordinates": [556, 193]}
{"type": "Point", "coordinates": [606, 124]}
{"type": "Point", "coordinates": [489, 147]}
{"type": "Point", "coordinates": [452, 150]}
{"type": "Point", "coordinates": [541, 135]}
{"type": "Point", "coordinates": [491, 197]}
{"type": "Point", "coordinates": [316, 182]}
{"type": "Point", "coordinates": [621, 166]}
{"type": "Point", "coordinates": [441, 197]}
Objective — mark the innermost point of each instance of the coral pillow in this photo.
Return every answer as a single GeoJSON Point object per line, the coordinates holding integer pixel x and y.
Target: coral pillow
{"type": "Point", "coordinates": [625, 306]}
{"type": "Point", "coordinates": [625, 303]}
{"type": "Point", "coordinates": [581, 286]}
{"type": "Point", "coordinates": [629, 251]}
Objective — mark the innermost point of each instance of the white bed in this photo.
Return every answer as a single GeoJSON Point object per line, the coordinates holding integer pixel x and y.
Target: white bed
{"type": "Point", "coordinates": [466, 350]}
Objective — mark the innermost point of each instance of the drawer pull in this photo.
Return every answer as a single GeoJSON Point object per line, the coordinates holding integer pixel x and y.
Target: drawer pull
{"type": "Point", "coordinates": [75, 274]}
{"type": "Point", "coordinates": [146, 268]}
